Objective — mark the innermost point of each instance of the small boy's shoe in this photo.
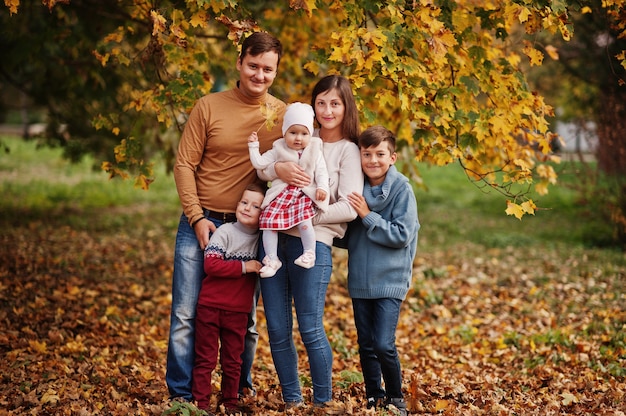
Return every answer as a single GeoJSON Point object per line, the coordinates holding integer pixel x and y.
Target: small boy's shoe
{"type": "Point", "coordinates": [329, 408]}
{"type": "Point", "coordinates": [397, 406]}
{"type": "Point", "coordinates": [306, 260]}
{"type": "Point", "coordinates": [270, 268]}
{"type": "Point", "coordinates": [234, 409]}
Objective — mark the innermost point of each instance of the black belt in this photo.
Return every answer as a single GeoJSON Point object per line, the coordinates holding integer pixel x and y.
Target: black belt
{"type": "Point", "coordinates": [222, 216]}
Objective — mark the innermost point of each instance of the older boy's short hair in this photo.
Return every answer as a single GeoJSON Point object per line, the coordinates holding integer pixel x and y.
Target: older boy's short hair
{"type": "Point", "coordinates": [375, 135]}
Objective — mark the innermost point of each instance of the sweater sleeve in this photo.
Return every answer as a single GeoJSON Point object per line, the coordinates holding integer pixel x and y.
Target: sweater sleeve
{"type": "Point", "coordinates": [400, 229]}
{"type": "Point", "coordinates": [350, 179]}
{"type": "Point", "coordinates": [321, 173]}
{"type": "Point", "coordinates": [190, 152]}
{"type": "Point", "coordinates": [219, 267]}
{"type": "Point", "coordinates": [258, 160]}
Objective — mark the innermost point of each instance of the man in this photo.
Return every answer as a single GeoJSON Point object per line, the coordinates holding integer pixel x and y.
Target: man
{"type": "Point", "coordinates": [211, 172]}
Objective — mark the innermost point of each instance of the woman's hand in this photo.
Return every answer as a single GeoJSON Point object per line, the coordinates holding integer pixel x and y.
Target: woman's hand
{"type": "Point", "coordinates": [292, 174]}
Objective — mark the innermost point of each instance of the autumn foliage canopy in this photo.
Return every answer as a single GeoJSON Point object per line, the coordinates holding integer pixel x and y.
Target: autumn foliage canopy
{"type": "Point", "coordinates": [446, 76]}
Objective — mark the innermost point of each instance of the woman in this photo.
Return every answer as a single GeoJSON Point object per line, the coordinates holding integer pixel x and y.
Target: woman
{"type": "Point", "coordinates": [336, 113]}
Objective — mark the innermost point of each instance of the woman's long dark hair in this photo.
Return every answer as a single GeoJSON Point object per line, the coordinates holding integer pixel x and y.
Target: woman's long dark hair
{"type": "Point", "coordinates": [351, 128]}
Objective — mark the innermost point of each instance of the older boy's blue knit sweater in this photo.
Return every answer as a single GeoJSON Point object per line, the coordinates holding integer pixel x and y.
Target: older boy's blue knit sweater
{"type": "Point", "coordinates": [381, 246]}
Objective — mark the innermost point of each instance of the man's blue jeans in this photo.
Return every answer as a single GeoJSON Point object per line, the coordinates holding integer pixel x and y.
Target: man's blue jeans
{"type": "Point", "coordinates": [376, 321]}
{"type": "Point", "coordinates": [307, 289]}
{"type": "Point", "coordinates": [186, 283]}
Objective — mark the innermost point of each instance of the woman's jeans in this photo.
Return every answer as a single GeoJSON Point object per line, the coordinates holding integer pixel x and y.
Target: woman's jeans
{"type": "Point", "coordinates": [186, 283]}
{"type": "Point", "coordinates": [307, 289]}
{"type": "Point", "coordinates": [376, 321]}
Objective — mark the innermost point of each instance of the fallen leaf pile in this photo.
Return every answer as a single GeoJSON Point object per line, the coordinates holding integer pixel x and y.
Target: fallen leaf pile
{"type": "Point", "coordinates": [84, 320]}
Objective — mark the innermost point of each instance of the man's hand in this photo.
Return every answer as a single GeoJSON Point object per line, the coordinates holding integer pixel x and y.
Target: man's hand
{"type": "Point", "coordinates": [357, 202]}
{"type": "Point", "coordinates": [203, 230]}
{"type": "Point", "coordinates": [292, 174]}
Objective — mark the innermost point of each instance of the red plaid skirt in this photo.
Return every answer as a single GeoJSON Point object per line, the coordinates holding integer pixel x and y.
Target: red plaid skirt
{"type": "Point", "coordinates": [289, 208]}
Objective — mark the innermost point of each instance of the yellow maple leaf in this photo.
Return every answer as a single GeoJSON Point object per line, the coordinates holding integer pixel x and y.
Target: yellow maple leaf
{"type": "Point", "coordinates": [12, 5]}
{"type": "Point", "coordinates": [535, 56]}
{"type": "Point", "coordinates": [514, 209]}
{"type": "Point", "coordinates": [143, 182]}
{"type": "Point", "coordinates": [529, 207]}
{"type": "Point", "coordinates": [568, 398]}
{"type": "Point", "coordinates": [552, 52]}
{"type": "Point", "coordinates": [51, 3]}
{"type": "Point", "coordinates": [524, 14]}
{"type": "Point", "coordinates": [307, 5]}
{"type": "Point", "coordinates": [50, 396]}
{"type": "Point", "coordinates": [542, 187]}
{"type": "Point", "coordinates": [37, 346]}
{"type": "Point", "coordinates": [440, 405]}
{"type": "Point", "coordinates": [158, 22]}
{"type": "Point", "coordinates": [199, 19]}
{"type": "Point", "coordinates": [270, 114]}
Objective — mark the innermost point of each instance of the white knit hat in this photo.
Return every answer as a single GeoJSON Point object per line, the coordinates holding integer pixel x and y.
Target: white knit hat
{"type": "Point", "coordinates": [298, 113]}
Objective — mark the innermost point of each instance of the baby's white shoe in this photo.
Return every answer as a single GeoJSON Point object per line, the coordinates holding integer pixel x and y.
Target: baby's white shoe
{"type": "Point", "coordinates": [270, 268]}
{"type": "Point", "coordinates": [306, 260]}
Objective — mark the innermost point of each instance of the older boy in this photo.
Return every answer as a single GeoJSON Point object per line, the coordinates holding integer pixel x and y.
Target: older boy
{"type": "Point", "coordinates": [381, 246]}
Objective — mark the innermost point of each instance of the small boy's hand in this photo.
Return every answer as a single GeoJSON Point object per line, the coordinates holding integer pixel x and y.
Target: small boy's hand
{"type": "Point", "coordinates": [357, 202]}
{"type": "Point", "coordinates": [253, 266]}
{"type": "Point", "coordinates": [254, 137]}
{"type": "Point", "coordinates": [320, 194]}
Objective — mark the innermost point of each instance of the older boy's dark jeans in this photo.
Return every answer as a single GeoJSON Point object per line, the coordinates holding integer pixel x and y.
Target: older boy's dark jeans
{"type": "Point", "coordinates": [376, 321]}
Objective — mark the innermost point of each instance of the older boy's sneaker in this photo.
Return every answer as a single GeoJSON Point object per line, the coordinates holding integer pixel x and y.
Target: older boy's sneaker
{"type": "Point", "coordinates": [397, 406]}
{"type": "Point", "coordinates": [270, 268]}
{"type": "Point", "coordinates": [375, 402]}
{"type": "Point", "coordinates": [306, 260]}
{"type": "Point", "coordinates": [247, 392]}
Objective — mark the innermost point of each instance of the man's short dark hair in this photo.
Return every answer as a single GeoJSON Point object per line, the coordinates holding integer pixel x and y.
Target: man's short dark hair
{"type": "Point", "coordinates": [258, 43]}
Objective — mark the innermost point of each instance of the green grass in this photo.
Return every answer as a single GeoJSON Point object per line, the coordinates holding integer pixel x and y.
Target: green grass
{"type": "Point", "coordinates": [453, 210]}
{"type": "Point", "coordinates": [37, 184]}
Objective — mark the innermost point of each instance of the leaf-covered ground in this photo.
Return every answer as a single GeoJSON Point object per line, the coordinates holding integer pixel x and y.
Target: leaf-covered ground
{"type": "Point", "coordinates": [84, 317]}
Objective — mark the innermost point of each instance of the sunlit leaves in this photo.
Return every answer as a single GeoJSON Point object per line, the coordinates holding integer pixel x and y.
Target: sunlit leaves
{"type": "Point", "coordinates": [535, 56]}
{"type": "Point", "coordinates": [158, 23]}
{"type": "Point", "coordinates": [447, 77]}
{"type": "Point", "coordinates": [519, 210]}
{"type": "Point", "coordinates": [12, 5]}
{"type": "Point", "coordinates": [307, 5]}
{"type": "Point", "coordinates": [129, 158]}
{"type": "Point", "coordinates": [269, 111]}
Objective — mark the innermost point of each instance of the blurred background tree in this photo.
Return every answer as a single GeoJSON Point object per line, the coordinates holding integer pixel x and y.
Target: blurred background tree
{"type": "Point", "coordinates": [587, 84]}
{"type": "Point", "coordinates": [117, 78]}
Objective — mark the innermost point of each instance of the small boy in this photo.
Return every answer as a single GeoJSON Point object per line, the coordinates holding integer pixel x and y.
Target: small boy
{"type": "Point", "coordinates": [381, 247]}
{"type": "Point", "coordinates": [226, 300]}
